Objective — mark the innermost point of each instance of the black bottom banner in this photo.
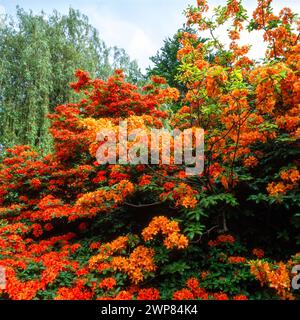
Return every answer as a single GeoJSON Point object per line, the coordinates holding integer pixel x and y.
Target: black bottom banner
{"type": "Point", "coordinates": [97, 310]}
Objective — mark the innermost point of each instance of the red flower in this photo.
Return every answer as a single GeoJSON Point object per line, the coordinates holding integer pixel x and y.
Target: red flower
{"type": "Point", "coordinates": [221, 239]}
{"type": "Point", "coordinates": [95, 245]}
{"type": "Point", "coordinates": [240, 297]}
{"type": "Point", "coordinates": [145, 180]}
{"type": "Point", "coordinates": [48, 227]}
{"type": "Point", "coordinates": [225, 238]}
{"type": "Point", "coordinates": [168, 186]}
{"type": "Point", "coordinates": [259, 253]}
{"type": "Point", "coordinates": [82, 226]}
{"type": "Point", "coordinates": [108, 283]}
{"type": "Point", "coordinates": [35, 183]}
{"type": "Point", "coordinates": [183, 294]}
{"type": "Point", "coordinates": [192, 283]}
{"type": "Point", "coordinates": [148, 294]}
{"type": "Point", "coordinates": [220, 296]}
{"type": "Point", "coordinates": [124, 295]}
{"type": "Point", "coordinates": [37, 230]}
{"type": "Point", "coordinates": [158, 80]}
{"type": "Point", "coordinates": [100, 177]}
{"type": "Point", "coordinates": [236, 259]}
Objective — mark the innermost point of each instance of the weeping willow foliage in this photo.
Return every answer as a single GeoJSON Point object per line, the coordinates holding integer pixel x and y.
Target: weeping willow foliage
{"type": "Point", "coordinates": [39, 54]}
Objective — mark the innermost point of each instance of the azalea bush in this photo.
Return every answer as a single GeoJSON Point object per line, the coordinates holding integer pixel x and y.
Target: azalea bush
{"type": "Point", "coordinates": [71, 228]}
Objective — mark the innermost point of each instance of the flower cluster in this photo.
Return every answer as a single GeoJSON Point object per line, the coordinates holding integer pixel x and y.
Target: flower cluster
{"type": "Point", "coordinates": [275, 276]}
{"type": "Point", "coordinates": [221, 239]}
{"type": "Point", "coordinates": [195, 292]}
{"type": "Point", "coordinates": [170, 231]}
{"type": "Point", "coordinates": [102, 200]}
{"type": "Point", "coordinates": [139, 262]}
{"type": "Point", "coordinates": [289, 181]}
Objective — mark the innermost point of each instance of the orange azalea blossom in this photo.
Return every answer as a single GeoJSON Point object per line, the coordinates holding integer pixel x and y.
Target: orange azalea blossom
{"type": "Point", "coordinates": [148, 294]}
{"type": "Point", "coordinates": [139, 261]}
{"type": "Point", "coordinates": [236, 260]}
{"type": "Point", "coordinates": [251, 162]}
{"type": "Point", "coordinates": [124, 295]}
{"type": "Point", "coordinates": [76, 293]}
{"type": "Point", "coordinates": [168, 94]}
{"type": "Point", "coordinates": [183, 194]}
{"type": "Point", "coordinates": [275, 189]}
{"type": "Point", "coordinates": [107, 250]}
{"type": "Point", "coordinates": [35, 183]}
{"type": "Point", "coordinates": [159, 80]}
{"type": "Point", "coordinates": [95, 245]}
{"type": "Point", "coordinates": [48, 227]}
{"type": "Point", "coordinates": [108, 283]}
{"type": "Point", "coordinates": [240, 297]}
{"type": "Point", "coordinates": [37, 230]}
{"type": "Point", "coordinates": [183, 294]}
{"type": "Point", "coordinates": [275, 276]}
{"type": "Point", "coordinates": [291, 175]}
{"type": "Point", "coordinates": [169, 229]}
{"type": "Point", "coordinates": [290, 181]}
{"type": "Point", "coordinates": [194, 286]}
{"type": "Point", "coordinates": [192, 283]}
{"type": "Point", "coordinates": [102, 200]}
{"type": "Point", "coordinates": [220, 296]}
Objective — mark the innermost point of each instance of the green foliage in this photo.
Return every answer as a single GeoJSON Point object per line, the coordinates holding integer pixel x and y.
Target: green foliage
{"type": "Point", "coordinates": [39, 55]}
{"type": "Point", "coordinates": [33, 271]}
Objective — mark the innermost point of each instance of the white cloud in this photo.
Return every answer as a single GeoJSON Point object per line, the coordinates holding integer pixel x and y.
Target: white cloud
{"type": "Point", "coordinates": [124, 34]}
{"type": "Point", "coordinates": [141, 47]}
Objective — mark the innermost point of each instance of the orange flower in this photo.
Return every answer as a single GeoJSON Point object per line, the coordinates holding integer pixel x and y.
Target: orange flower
{"type": "Point", "coordinates": [275, 276]}
{"type": "Point", "coordinates": [220, 296]}
{"type": "Point", "coordinates": [275, 189]}
{"type": "Point", "coordinates": [108, 283]}
{"type": "Point", "coordinates": [183, 294]}
{"type": "Point", "coordinates": [35, 183]}
{"type": "Point", "coordinates": [139, 261]}
{"type": "Point", "coordinates": [236, 260]}
{"type": "Point", "coordinates": [170, 229]}
{"type": "Point", "coordinates": [158, 80]}
{"type": "Point", "coordinates": [192, 283]}
{"type": "Point", "coordinates": [124, 295]}
{"type": "Point", "coordinates": [240, 297]}
{"type": "Point", "coordinates": [148, 294]}
{"type": "Point", "coordinates": [291, 175]}
{"type": "Point", "coordinates": [108, 249]}
{"type": "Point", "coordinates": [251, 162]}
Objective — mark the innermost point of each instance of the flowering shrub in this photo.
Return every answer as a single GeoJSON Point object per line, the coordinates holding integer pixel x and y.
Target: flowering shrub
{"type": "Point", "coordinates": [71, 228]}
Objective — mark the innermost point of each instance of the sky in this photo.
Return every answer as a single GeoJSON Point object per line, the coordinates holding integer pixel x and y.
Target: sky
{"type": "Point", "coordinates": [139, 26]}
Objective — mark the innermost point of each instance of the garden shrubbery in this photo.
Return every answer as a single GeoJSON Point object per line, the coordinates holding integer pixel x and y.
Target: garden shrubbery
{"type": "Point", "coordinates": [71, 228]}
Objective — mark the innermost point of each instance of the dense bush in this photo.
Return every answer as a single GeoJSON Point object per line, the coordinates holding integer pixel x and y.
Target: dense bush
{"type": "Point", "coordinates": [73, 229]}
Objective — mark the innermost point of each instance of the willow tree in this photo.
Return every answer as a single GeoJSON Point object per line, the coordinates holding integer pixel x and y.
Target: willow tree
{"type": "Point", "coordinates": [39, 54]}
